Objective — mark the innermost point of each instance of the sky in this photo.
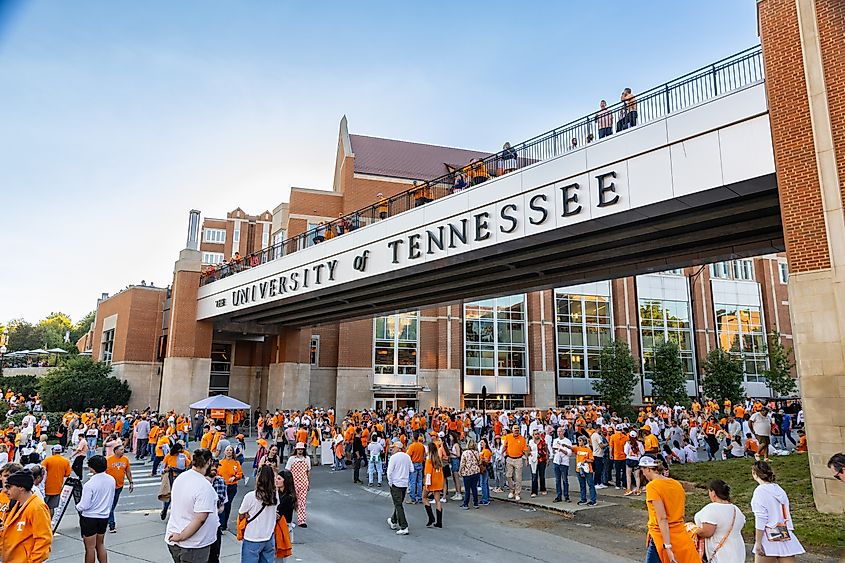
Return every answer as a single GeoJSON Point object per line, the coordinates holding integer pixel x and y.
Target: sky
{"type": "Point", "coordinates": [117, 118]}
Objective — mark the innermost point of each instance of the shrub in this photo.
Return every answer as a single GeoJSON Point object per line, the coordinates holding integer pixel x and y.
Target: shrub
{"type": "Point", "coordinates": [617, 376]}
{"type": "Point", "coordinates": [81, 384]}
{"type": "Point", "coordinates": [26, 385]}
{"type": "Point", "coordinates": [668, 377]}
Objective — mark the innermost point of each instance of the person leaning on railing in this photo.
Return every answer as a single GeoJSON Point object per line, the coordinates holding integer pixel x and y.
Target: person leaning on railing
{"type": "Point", "coordinates": [477, 172]}
{"type": "Point", "coordinates": [508, 159]}
{"type": "Point", "coordinates": [342, 224]}
{"type": "Point", "coordinates": [604, 120]}
{"type": "Point", "coordinates": [382, 205]}
{"type": "Point", "coordinates": [460, 183]}
{"type": "Point", "coordinates": [422, 194]}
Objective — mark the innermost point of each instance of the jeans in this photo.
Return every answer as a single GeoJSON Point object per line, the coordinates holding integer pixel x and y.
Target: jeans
{"type": "Point", "coordinates": [397, 494]}
{"type": "Point", "coordinates": [619, 467]}
{"type": "Point", "coordinates": [214, 554]}
{"type": "Point", "coordinates": [470, 488]}
{"type": "Point", "coordinates": [373, 468]}
{"type": "Point", "coordinates": [113, 505]}
{"type": "Point", "coordinates": [415, 480]}
{"type": "Point", "coordinates": [651, 554]}
{"type": "Point", "coordinates": [231, 491]}
{"type": "Point", "coordinates": [538, 478]}
{"type": "Point", "coordinates": [339, 463]}
{"type": "Point", "coordinates": [258, 551]}
{"type": "Point", "coordinates": [561, 481]}
{"type": "Point", "coordinates": [485, 487]}
{"type": "Point", "coordinates": [598, 467]}
{"type": "Point", "coordinates": [586, 480]}
{"type": "Point", "coordinates": [356, 465]}
{"type": "Point", "coordinates": [605, 131]}
{"type": "Point", "coordinates": [156, 461]}
{"type": "Point", "coordinates": [608, 468]}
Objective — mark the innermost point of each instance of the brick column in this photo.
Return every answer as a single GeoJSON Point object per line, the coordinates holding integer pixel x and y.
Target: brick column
{"type": "Point", "coordinates": [804, 53]}
{"type": "Point", "coordinates": [187, 365]}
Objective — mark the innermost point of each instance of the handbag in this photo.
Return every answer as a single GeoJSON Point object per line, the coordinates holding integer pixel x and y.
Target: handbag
{"type": "Point", "coordinates": [243, 521]}
{"type": "Point", "coordinates": [780, 531]}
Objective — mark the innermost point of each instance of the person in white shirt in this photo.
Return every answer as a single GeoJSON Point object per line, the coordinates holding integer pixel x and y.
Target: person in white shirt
{"type": "Point", "coordinates": [259, 509]}
{"type": "Point", "coordinates": [600, 446]}
{"type": "Point", "coordinates": [399, 469]}
{"type": "Point", "coordinates": [561, 450]}
{"type": "Point", "coordinates": [374, 451]}
{"type": "Point", "coordinates": [94, 508]}
{"type": "Point", "coordinates": [691, 454]}
{"type": "Point", "coordinates": [761, 424]}
{"type": "Point", "coordinates": [27, 427]}
{"type": "Point", "coordinates": [634, 450]}
{"type": "Point", "coordinates": [720, 524]}
{"type": "Point", "coordinates": [193, 523]}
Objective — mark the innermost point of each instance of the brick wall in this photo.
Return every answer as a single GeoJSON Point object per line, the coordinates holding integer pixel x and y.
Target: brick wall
{"type": "Point", "coordinates": [139, 312]}
{"type": "Point", "coordinates": [795, 162]}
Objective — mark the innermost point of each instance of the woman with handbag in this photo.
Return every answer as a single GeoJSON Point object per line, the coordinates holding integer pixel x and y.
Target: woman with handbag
{"type": "Point", "coordinates": [720, 524]}
{"type": "Point", "coordinates": [257, 519]}
{"type": "Point", "coordinates": [537, 460]}
{"type": "Point", "coordinates": [774, 533]}
{"type": "Point", "coordinates": [469, 468]}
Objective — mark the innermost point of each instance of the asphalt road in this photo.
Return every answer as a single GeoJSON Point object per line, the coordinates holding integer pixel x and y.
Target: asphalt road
{"type": "Point", "coordinates": [346, 523]}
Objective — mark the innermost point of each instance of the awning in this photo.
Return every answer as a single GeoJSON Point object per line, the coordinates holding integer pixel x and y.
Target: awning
{"type": "Point", "coordinates": [220, 402]}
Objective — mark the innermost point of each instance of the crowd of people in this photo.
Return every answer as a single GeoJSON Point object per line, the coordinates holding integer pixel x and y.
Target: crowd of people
{"type": "Point", "coordinates": [420, 454]}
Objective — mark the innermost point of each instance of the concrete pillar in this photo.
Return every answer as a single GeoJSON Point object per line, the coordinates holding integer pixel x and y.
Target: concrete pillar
{"type": "Point", "coordinates": [803, 47]}
{"type": "Point", "coordinates": [543, 385]}
{"type": "Point", "coordinates": [187, 364]}
{"type": "Point", "coordinates": [289, 378]}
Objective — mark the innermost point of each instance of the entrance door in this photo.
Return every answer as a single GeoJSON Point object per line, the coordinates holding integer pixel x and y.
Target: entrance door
{"type": "Point", "coordinates": [384, 404]}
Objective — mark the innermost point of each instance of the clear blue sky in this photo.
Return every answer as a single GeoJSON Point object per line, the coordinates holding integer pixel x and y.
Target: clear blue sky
{"type": "Point", "coordinates": [119, 117]}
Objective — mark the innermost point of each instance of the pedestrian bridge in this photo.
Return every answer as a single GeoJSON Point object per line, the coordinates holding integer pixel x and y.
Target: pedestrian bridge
{"type": "Point", "coordinates": [692, 181]}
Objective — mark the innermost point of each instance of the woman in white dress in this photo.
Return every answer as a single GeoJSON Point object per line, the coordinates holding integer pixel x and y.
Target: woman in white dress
{"type": "Point", "coordinates": [774, 534]}
{"type": "Point", "coordinates": [720, 524]}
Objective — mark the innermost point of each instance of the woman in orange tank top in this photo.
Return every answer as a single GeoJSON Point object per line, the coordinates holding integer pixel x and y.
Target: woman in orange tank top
{"type": "Point", "coordinates": [433, 482]}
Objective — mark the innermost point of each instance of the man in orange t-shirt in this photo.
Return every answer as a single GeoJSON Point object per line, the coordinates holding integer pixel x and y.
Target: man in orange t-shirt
{"type": "Point", "coordinates": [117, 465]}
{"type": "Point", "coordinates": [58, 468]}
{"type": "Point", "coordinates": [515, 447]}
{"type": "Point", "coordinates": [617, 452]}
{"type": "Point", "coordinates": [416, 451]}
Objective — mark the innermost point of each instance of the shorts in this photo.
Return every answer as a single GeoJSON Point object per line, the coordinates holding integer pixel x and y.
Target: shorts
{"type": "Point", "coordinates": [52, 501]}
{"type": "Point", "coordinates": [92, 526]}
{"type": "Point", "coordinates": [632, 463]}
{"type": "Point", "coordinates": [456, 464]}
{"type": "Point", "coordinates": [764, 441]}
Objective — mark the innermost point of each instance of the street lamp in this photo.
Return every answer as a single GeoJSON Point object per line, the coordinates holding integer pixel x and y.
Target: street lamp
{"type": "Point", "coordinates": [3, 339]}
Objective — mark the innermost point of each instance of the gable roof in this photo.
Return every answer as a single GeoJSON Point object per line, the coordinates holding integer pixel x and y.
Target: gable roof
{"type": "Point", "coordinates": [403, 159]}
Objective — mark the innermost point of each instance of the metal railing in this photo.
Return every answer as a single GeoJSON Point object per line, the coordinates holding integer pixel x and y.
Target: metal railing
{"type": "Point", "coordinates": [727, 75]}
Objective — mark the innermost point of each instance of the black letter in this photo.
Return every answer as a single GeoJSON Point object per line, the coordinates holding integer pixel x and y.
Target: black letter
{"type": "Point", "coordinates": [567, 199]}
{"type": "Point", "coordinates": [262, 287]}
{"type": "Point", "coordinates": [532, 203]}
{"type": "Point", "coordinates": [283, 284]}
{"type": "Point", "coordinates": [454, 233]}
{"type": "Point", "coordinates": [235, 300]}
{"type": "Point", "coordinates": [318, 269]}
{"type": "Point", "coordinates": [414, 247]}
{"type": "Point", "coordinates": [394, 244]}
{"type": "Point", "coordinates": [273, 288]}
{"type": "Point", "coordinates": [481, 230]}
{"type": "Point", "coordinates": [611, 187]}
{"type": "Point", "coordinates": [435, 240]}
{"type": "Point", "coordinates": [503, 214]}
{"type": "Point", "coordinates": [294, 281]}
{"type": "Point", "coordinates": [332, 265]}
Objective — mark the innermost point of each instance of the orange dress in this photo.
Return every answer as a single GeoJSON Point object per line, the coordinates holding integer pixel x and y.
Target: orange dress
{"type": "Point", "coordinates": [673, 496]}
{"type": "Point", "coordinates": [433, 477]}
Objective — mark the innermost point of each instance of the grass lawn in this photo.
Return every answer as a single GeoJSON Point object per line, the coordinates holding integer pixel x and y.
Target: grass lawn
{"type": "Point", "coordinates": [822, 532]}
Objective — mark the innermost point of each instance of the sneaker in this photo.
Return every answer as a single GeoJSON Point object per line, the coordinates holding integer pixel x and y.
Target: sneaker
{"type": "Point", "coordinates": [517, 498]}
{"type": "Point", "coordinates": [601, 486]}
{"type": "Point", "coordinates": [567, 499]}
{"type": "Point", "coordinates": [303, 525]}
{"type": "Point", "coordinates": [402, 532]}
{"type": "Point", "coordinates": [556, 499]}
{"type": "Point", "coordinates": [112, 530]}
{"type": "Point", "coordinates": [582, 502]}
{"type": "Point", "coordinates": [409, 501]}
{"type": "Point", "coordinates": [628, 493]}
{"type": "Point", "coordinates": [475, 506]}
{"type": "Point", "coordinates": [533, 495]}
{"type": "Point", "coordinates": [482, 503]}
{"type": "Point", "coordinates": [457, 496]}
{"type": "Point", "coordinates": [369, 484]}
{"type": "Point", "coordinates": [164, 513]}
{"type": "Point", "coordinates": [591, 503]}
{"type": "Point", "coordinates": [246, 480]}
{"type": "Point", "coordinates": [392, 525]}
{"type": "Point", "coordinates": [618, 488]}
{"type": "Point", "coordinates": [379, 484]}
{"type": "Point", "coordinates": [510, 495]}
{"type": "Point", "coordinates": [464, 507]}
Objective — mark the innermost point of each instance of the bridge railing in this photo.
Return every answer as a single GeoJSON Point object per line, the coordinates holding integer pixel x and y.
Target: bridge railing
{"type": "Point", "coordinates": [727, 75]}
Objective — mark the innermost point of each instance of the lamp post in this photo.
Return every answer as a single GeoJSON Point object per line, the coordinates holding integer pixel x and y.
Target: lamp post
{"type": "Point", "coordinates": [4, 337]}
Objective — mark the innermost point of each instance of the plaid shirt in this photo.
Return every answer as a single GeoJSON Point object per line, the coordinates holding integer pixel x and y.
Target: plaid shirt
{"type": "Point", "coordinates": [220, 487]}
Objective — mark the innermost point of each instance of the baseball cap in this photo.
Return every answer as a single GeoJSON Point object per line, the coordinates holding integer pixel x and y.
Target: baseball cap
{"type": "Point", "coordinates": [632, 433]}
{"type": "Point", "coordinates": [57, 448]}
{"type": "Point", "coordinates": [647, 461]}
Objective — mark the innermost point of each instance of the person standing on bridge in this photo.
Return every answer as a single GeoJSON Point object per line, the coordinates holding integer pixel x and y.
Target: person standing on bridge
{"type": "Point", "coordinates": [604, 120]}
{"type": "Point", "coordinates": [382, 206]}
{"type": "Point", "coordinates": [630, 108]}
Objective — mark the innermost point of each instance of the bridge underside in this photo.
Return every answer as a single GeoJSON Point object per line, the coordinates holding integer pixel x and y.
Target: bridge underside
{"type": "Point", "coordinates": [733, 221]}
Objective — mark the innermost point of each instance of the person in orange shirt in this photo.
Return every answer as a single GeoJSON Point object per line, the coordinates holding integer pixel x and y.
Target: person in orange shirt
{"type": "Point", "coordinates": [668, 539]}
{"type": "Point", "coordinates": [584, 470]}
{"type": "Point", "coordinates": [27, 536]}
{"type": "Point", "coordinates": [515, 448]}
{"type": "Point", "coordinates": [416, 451]}
{"type": "Point", "coordinates": [801, 448]}
{"type": "Point", "coordinates": [161, 443]}
{"type": "Point", "coordinates": [751, 445]}
{"type": "Point", "coordinates": [231, 472]}
{"type": "Point", "coordinates": [58, 469]}
{"type": "Point", "coordinates": [302, 434]}
{"type": "Point", "coordinates": [617, 453]}
{"type": "Point", "coordinates": [433, 482]}
{"type": "Point", "coordinates": [117, 465]}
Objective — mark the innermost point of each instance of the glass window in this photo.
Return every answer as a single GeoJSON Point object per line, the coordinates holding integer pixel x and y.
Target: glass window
{"type": "Point", "coordinates": [315, 350]}
{"type": "Point", "coordinates": [733, 270]}
{"type": "Point", "coordinates": [739, 329]}
{"type": "Point", "coordinates": [209, 258]}
{"type": "Point", "coordinates": [278, 247]}
{"type": "Point", "coordinates": [217, 236]}
{"type": "Point", "coordinates": [783, 272]}
{"type": "Point", "coordinates": [584, 327]}
{"type": "Point", "coordinates": [221, 367]}
{"type": "Point", "coordinates": [265, 236]}
{"type": "Point", "coordinates": [108, 346]}
{"type": "Point", "coordinates": [236, 236]}
{"type": "Point", "coordinates": [396, 344]}
{"type": "Point", "coordinates": [667, 321]}
{"type": "Point", "coordinates": [495, 337]}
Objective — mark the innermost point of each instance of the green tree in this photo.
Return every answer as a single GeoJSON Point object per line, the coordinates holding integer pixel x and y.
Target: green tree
{"type": "Point", "coordinates": [53, 329]}
{"type": "Point", "coordinates": [81, 327]}
{"type": "Point", "coordinates": [23, 336]}
{"type": "Point", "coordinates": [668, 378]}
{"type": "Point", "coordinates": [723, 377]}
{"type": "Point", "coordinates": [779, 375]}
{"type": "Point", "coordinates": [617, 377]}
{"type": "Point", "coordinates": [81, 383]}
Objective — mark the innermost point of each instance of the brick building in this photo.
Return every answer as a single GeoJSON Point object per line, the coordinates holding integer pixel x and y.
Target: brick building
{"type": "Point", "coordinates": [238, 232]}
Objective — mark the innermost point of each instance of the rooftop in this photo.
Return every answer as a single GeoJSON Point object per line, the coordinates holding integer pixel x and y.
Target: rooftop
{"type": "Point", "coordinates": [404, 159]}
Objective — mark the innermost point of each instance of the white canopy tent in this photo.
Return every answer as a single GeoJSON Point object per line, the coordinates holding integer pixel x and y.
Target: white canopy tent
{"type": "Point", "coordinates": [223, 402]}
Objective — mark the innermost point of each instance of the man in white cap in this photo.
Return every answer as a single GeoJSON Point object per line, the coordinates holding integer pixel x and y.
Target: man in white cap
{"type": "Point", "coordinates": [399, 469]}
